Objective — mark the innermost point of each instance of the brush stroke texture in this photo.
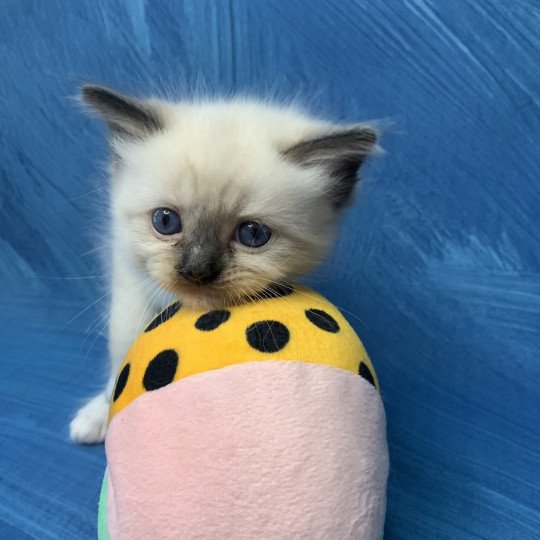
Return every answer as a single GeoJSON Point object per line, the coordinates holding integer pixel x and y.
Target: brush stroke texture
{"type": "Point", "coordinates": [439, 260]}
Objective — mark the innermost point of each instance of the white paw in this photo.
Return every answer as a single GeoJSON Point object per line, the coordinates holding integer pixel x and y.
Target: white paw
{"type": "Point", "coordinates": [90, 423]}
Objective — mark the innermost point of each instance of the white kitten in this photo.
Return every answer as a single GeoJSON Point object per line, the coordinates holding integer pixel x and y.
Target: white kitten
{"type": "Point", "coordinates": [211, 202]}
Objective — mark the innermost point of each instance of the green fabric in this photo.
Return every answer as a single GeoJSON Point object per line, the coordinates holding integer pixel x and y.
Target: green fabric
{"type": "Point", "coordinates": [103, 529]}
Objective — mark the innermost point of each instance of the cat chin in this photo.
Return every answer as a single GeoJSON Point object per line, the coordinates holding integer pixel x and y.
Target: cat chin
{"type": "Point", "coordinates": [203, 298]}
{"type": "Point", "coordinates": [201, 302]}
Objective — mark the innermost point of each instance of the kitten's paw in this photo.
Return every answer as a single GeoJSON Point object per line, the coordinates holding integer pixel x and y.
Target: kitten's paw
{"type": "Point", "coordinates": [90, 423]}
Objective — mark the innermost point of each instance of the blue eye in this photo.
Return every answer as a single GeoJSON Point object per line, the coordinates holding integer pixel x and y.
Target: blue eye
{"type": "Point", "coordinates": [252, 234]}
{"type": "Point", "coordinates": [166, 221]}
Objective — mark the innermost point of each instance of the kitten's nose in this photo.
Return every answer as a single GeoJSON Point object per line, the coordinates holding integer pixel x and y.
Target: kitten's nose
{"type": "Point", "coordinates": [200, 276]}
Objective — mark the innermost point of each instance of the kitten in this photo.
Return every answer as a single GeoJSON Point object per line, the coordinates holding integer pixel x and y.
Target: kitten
{"type": "Point", "coordinates": [211, 202]}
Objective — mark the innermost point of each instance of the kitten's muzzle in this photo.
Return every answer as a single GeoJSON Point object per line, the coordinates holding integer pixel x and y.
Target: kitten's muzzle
{"type": "Point", "coordinates": [201, 260]}
{"type": "Point", "coordinates": [201, 276]}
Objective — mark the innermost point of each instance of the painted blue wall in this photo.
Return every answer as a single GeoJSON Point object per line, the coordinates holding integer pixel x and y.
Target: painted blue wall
{"type": "Point", "coordinates": [439, 261]}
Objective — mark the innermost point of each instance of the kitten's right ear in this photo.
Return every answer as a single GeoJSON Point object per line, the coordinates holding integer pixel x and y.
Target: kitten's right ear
{"type": "Point", "coordinates": [341, 153]}
{"type": "Point", "coordinates": [126, 117]}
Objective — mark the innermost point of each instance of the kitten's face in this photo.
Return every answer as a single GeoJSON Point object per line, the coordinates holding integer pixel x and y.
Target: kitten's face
{"type": "Point", "coordinates": [215, 201]}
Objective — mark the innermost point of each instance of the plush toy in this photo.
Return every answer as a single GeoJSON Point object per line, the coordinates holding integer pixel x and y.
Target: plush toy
{"type": "Point", "coordinates": [261, 421]}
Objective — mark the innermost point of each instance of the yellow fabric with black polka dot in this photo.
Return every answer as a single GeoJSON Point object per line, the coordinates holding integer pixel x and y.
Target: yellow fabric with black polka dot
{"type": "Point", "coordinates": [291, 324]}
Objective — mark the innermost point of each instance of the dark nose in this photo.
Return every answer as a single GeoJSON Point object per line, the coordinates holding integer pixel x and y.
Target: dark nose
{"type": "Point", "coordinates": [200, 276]}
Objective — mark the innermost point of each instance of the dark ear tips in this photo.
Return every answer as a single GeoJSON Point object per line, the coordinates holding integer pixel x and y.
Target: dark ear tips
{"type": "Point", "coordinates": [341, 153]}
{"type": "Point", "coordinates": [353, 143]}
{"type": "Point", "coordinates": [100, 98]}
{"type": "Point", "coordinates": [368, 135]}
{"type": "Point", "coordinates": [360, 141]}
{"type": "Point", "coordinates": [91, 93]}
{"type": "Point", "coordinates": [125, 116]}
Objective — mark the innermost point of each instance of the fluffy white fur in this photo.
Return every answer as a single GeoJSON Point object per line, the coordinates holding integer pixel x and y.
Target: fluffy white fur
{"type": "Point", "coordinates": [217, 163]}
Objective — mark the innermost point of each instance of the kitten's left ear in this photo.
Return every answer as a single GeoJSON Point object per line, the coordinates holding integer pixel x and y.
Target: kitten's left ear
{"type": "Point", "coordinates": [127, 117]}
{"type": "Point", "coordinates": [341, 153]}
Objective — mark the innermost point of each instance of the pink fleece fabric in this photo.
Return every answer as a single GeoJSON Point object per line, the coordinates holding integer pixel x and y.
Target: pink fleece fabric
{"type": "Point", "coordinates": [262, 450]}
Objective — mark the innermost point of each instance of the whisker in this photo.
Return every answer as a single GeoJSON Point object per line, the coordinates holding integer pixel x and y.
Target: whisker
{"type": "Point", "coordinates": [145, 315]}
{"type": "Point", "coordinates": [327, 302]}
{"type": "Point", "coordinates": [71, 278]}
{"type": "Point", "coordinates": [85, 309]}
{"type": "Point", "coordinates": [93, 250]}
{"type": "Point", "coordinates": [98, 335]}
{"type": "Point", "coordinates": [102, 322]}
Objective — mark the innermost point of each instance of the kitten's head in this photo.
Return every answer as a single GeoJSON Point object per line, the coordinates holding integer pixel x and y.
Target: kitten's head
{"type": "Point", "coordinates": [215, 200]}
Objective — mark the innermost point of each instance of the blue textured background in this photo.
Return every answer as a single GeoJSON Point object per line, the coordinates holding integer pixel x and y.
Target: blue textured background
{"type": "Point", "coordinates": [440, 258]}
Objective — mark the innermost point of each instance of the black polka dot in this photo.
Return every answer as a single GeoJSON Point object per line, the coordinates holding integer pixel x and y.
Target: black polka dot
{"type": "Point", "coordinates": [161, 370]}
{"type": "Point", "coordinates": [164, 316]}
{"type": "Point", "coordinates": [276, 290]}
{"type": "Point", "coordinates": [322, 320]}
{"type": "Point", "coordinates": [121, 382]}
{"type": "Point", "coordinates": [365, 372]}
{"type": "Point", "coordinates": [212, 319]}
{"type": "Point", "coordinates": [267, 336]}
